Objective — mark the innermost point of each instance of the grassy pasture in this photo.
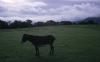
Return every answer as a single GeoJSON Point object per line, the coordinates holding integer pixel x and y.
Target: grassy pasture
{"type": "Point", "coordinates": [74, 43]}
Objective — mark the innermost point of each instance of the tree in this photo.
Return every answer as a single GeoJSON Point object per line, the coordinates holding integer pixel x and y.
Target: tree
{"type": "Point", "coordinates": [90, 22]}
{"type": "Point", "coordinates": [39, 24]}
{"type": "Point", "coordinates": [3, 24]}
{"type": "Point", "coordinates": [65, 23]}
{"type": "Point", "coordinates": [16, 24]}
{"type": "Point", "coordinates": [51, 22]}
{"type": "Point", "coordinates": [87, 22]}
{"type": "Point", "coordinates": [29, 23]}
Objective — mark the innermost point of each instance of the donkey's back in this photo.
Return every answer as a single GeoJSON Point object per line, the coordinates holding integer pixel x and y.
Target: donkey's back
{"type": "Point", "coordinates": [41, 40]}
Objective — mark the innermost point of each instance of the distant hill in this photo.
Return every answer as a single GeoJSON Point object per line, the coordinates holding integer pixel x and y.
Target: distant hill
{"type": "Point", "coordinates": [95, 19]}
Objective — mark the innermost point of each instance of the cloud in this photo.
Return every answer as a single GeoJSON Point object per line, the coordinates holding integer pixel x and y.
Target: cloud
{"type": "Point", "coordinates": [2, 9]}
{"type": "Point", "coordinates": [15, 8]}
{"type": "Point", "coordinates": [48, 9]}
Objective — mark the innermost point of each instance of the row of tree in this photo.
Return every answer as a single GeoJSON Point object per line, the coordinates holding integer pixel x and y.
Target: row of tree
{"type": "Point", "coordinates": [15, 24]}
{"type": "Point", "coordinates": [28, 23]}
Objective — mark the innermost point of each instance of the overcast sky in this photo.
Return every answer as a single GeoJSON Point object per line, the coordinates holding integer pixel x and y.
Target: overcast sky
{"type": "Point", "coordinates": [49, 9]}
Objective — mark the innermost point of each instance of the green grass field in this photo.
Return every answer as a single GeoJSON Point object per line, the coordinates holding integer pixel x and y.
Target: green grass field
{"type": "Point", "coordinates": [74, 43]}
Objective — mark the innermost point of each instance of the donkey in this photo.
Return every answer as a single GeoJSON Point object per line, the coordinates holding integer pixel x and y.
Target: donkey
{"type": "Point", "coordinates": [38, 41]}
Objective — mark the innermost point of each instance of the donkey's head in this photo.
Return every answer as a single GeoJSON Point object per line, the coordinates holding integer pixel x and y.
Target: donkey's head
{"type": "Point", "coordinates": [24, 38]}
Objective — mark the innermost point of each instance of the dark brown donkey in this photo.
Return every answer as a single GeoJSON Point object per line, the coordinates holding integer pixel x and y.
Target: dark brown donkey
{"type": "Point", "coordinates": [38, 41]}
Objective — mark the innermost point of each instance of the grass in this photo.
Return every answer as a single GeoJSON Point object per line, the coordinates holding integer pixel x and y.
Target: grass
{"type": "Point", "coordinates": [74, 43]}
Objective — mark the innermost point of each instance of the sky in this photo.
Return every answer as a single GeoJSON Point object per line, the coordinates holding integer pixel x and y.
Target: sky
{"type": "Point", "coordinates": [42, 10]}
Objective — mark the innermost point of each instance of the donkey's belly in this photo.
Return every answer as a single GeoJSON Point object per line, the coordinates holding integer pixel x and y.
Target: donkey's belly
{"type": "Point", "coordinates": [40, 43]}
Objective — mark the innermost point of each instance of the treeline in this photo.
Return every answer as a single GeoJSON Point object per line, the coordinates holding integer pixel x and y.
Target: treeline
{"type": "Point", "coordinates": [15, 24]}
{"type": "Point", "coordinates": [28, 23]}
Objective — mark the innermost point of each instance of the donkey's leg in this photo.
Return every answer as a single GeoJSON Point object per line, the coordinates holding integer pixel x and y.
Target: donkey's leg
{"type": "Point", "coordinates": [52, 50]}
{"type": "Point", "coordinates": [37, 51]}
